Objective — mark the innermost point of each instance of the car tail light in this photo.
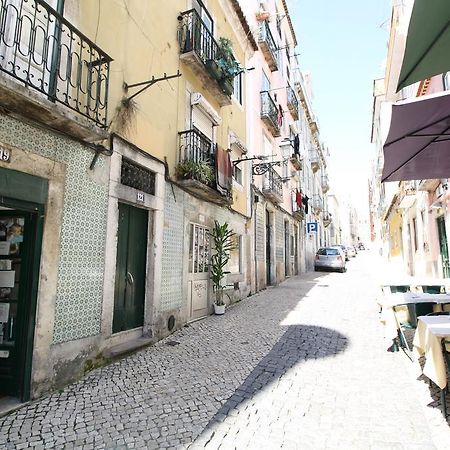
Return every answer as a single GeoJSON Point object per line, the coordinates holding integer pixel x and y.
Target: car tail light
{"type": "Point", "coordinates": [339, 258]}
{"type": "Point", "coordinates": [317, 257]}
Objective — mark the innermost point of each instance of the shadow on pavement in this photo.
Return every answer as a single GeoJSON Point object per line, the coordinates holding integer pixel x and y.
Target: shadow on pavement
{"type": "Point", "coordinates": [298, 344]}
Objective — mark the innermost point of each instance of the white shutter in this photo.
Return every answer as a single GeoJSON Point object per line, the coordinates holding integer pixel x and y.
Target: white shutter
{"type": "Point", "coordinates": [202, 122]}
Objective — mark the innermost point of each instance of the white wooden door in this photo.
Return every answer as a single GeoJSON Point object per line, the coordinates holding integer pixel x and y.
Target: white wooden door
{"type": "Point", "coordinates": [198, 276]}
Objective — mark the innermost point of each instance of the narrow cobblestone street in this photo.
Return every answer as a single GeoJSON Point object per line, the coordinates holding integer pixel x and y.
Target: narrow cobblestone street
{"type": "Point", "coordinates": [299, 366]}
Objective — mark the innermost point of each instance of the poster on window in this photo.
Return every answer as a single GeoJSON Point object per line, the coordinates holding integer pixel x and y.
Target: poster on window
{"type": "Point", "coordinates": [11, 235]}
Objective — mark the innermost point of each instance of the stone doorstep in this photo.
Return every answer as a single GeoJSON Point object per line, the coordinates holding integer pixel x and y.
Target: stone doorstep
{"type": "Point", "coordinates": [127, 347]}
{"type": "Point", "coordinates": [9, 405]}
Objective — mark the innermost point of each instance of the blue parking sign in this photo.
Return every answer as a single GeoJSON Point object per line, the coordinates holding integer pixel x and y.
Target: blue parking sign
{"type": "Point", "coordinates": [312, 227]}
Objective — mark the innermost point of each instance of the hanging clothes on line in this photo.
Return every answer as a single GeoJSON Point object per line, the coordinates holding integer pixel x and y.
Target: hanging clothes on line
{"type": "Point", "coordinates": [298, 199]}
{"type": "Point", "coordinates": [305, 200]}
{"type": "Point", "coordinates": [280, 116]}
{"type": "Point", "coordinates": [296, 145]}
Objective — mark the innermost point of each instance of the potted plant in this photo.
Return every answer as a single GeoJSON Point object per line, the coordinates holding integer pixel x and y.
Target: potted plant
{"type": "Point", "coordinates": [222, 238]}
{"type": "Point", "coordinates": [197, 170]}
{"type": "Point", "coordinates": [228, 65]}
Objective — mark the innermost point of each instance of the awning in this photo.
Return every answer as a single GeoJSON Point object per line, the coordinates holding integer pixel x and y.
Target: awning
{"type": "Point", "coordinates": [427, 43]}
{"type": "Point", "coordinates": [418, 143]}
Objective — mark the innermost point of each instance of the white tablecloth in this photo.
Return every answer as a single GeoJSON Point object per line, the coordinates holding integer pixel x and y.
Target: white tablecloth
{"type": "Point", "coordinates": [427, 341]}
{"type": "Point", "coordinates": [390, 301]}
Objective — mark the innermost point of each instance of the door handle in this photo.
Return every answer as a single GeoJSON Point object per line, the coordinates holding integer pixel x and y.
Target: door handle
{"type": "Point", "coordinates": [130, 278]}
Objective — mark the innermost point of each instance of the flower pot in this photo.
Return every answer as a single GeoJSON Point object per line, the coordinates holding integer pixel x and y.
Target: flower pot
{"type": "Point", "coordinates": [262, 15]}
{"type": "Point", "coordinates": [213, 69]}
{"type": "Point", "coordinates": [219, 309]}
{"type": "Point", "coordinates": [227, 86]}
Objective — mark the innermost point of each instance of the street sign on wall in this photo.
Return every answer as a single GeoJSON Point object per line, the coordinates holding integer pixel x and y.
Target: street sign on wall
{"type": "Point", "coordinates": [312, 227]}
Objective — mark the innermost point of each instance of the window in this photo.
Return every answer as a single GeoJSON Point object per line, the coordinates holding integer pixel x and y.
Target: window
{"type": "Point", "coordinates": [234, 264]}
{"type": "Point", "coordinates": [237, 174]}
{"type": "Point", "coordinates": [237, 83]}
{"type": "Point", "coordinates": [198, 249]}
{"type": "Point", "coordinates": [265, 83]}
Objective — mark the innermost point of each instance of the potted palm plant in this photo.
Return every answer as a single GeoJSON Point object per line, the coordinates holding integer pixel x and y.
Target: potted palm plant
{"type": "Point", "coordinates": [222, 240]}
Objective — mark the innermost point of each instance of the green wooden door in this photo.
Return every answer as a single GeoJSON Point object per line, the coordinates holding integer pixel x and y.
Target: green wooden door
{"type": "Point", "coordinates": [20, 235]}
{"type": "Point", "coordinates": [129, 295]}
{"type": "Point", "coordinates": [443, 247]}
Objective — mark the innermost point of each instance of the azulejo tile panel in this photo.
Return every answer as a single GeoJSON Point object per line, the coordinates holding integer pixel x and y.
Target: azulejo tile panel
{"type": "Point", "coordinates": [173, 247]}
{"type": "Point", "coordinates": [83, 233]}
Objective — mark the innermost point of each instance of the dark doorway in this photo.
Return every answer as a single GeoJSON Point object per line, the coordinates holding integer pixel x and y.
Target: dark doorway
{"type": "Point", "coordinates": [268, 248]}
{"type": "Point", "coordinates": [443, 247]}
{"type": "Point", "coordinates": [129, 293]}
{"type": "Point", "coordinates": [20, 248]}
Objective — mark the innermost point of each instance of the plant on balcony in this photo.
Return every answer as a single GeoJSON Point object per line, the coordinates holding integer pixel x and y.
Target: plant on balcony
{"type": "Point", "coordinates": [228, 64]}
{"type": "Point", "coordinates": [222, 237]}
{"type": "Point", "coordinates": [195, 170]}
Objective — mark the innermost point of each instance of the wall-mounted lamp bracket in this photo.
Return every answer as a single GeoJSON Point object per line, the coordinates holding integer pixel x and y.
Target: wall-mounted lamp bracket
{"type": "Point", "coordinates": [149, 83]}
{"type": "Point", "coordinates": [262, 168]}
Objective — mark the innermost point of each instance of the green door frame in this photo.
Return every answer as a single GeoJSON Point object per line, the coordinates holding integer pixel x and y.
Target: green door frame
{"type": "Point", "coordinates": [443, 246]}
{"type": "Point", "coordinates": [36, 213]}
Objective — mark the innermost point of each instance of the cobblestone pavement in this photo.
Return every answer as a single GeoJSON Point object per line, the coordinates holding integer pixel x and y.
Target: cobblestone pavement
{"type": "Point", "coordinates": [299, 366]}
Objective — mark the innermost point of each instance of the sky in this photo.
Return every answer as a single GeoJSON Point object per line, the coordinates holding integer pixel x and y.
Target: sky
{"type": "Point", "coordinates": [343, 44]}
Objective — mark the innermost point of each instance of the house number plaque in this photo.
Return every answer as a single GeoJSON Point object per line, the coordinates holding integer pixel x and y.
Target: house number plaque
{"type": "Point", "coordinates": [5, 154]}
{"type": "Point", "coordinates": [140, 197]}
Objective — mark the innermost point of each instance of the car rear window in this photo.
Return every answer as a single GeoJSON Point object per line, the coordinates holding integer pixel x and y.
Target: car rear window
{"type": "Point", "coordinates": [328, 251]}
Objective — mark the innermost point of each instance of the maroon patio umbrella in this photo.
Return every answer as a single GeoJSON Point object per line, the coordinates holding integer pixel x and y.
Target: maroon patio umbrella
{"type": "Point", "coordinates": [418, 143]}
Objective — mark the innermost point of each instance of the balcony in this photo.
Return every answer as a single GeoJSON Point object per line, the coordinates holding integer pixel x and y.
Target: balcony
{"type": "Point", "coordinates": [196, 171]}
{"type": "Point", "coordinates": [292, 103]}
{"type": "Point", "coordinates": [273, 186]}
{"type": "Point", "coordinates": [317, 204]}
{"type": "Point", "coordinates": [297, 161]}
{"type": "Point", "coordinates": [201, 52]}
{"type": "Point", "coordinates": [325, 184]}
{"type": "Point", "coordinates": [269, 113]}
{"type": "Point", "coordinates": [268, 46]}
{"type": "Point", "coordinates": [314, 160]}
{"type": "Point", "coordinates": [326, 218]}
{"type": "Point", "coordinates": [43, 51]}
{"type": "Point", "coordinates": [297, 211]}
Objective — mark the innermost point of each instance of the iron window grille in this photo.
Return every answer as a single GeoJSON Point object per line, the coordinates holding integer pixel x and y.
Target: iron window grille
{"type": "Point", "coordinates": [42, 49]}
{"type": "Point", "coordinates": [137, 177]}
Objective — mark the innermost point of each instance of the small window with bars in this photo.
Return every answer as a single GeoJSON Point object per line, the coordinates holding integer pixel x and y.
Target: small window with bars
{"type": "Point", "coordinates": [137, 177]}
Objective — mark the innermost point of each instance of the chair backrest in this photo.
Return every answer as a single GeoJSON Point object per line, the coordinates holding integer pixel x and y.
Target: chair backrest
{"type": "Point", "coordinates": [395, 289]}
{"type": "Point", "coordinates": [433, 289]}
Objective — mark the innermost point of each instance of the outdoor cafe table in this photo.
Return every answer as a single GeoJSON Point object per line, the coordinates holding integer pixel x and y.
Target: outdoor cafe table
{"type": "Point", "coordinates": [390, 301]}
{"type": "Point", "coordinates": [427, 341]}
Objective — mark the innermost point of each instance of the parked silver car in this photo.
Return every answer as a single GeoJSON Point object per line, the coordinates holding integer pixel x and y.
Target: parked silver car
{"type": "Point", "coordinates": [331, 258]}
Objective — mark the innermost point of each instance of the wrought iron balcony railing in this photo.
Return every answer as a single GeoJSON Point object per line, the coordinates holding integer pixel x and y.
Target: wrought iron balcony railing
{"type": "Point", "coordinates": [204, 53]}
{"type": "Point", "coordinates": [42, 49]}
{"type": "Point", "coordinates": [317, 203]}
{"type": "Point", "coordinates": [325, 183]}
{"type": "Point", "coordinates": [196, 147]}
{"type": "Point", "coordinates": [273, 185]}
{"type": "Point", "coordinates": [292, 102]}
{"type": "Point", "coordinates": [268, 46]}
{"type": "Point", "coordinates": [269, 113]}
{"type": "Point", "coordinates": [314, 159]}
{"type": "Point", "coordinates": [195, 36]}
